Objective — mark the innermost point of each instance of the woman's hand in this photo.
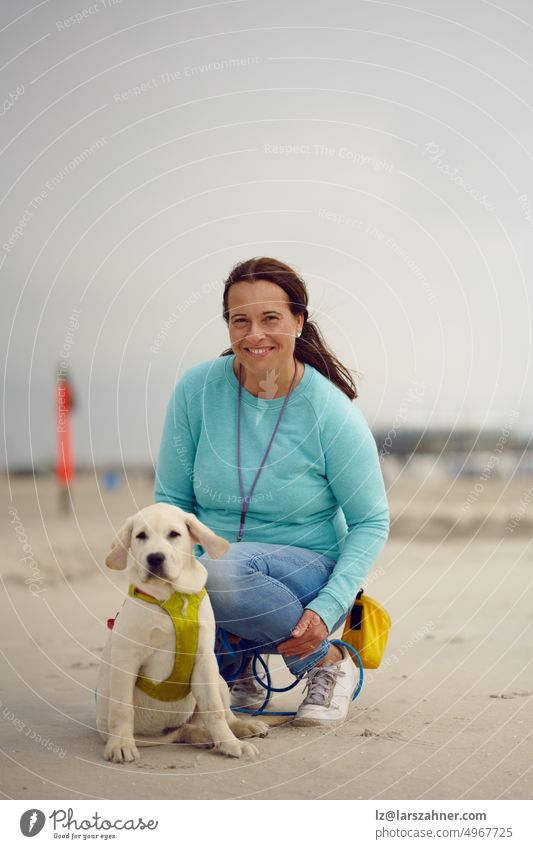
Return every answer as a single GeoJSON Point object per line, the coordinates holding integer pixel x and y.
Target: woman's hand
{"type": "Point", "coordinates": [306, 635]}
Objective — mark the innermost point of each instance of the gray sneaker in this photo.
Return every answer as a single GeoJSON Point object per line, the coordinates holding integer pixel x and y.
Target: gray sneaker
{"type": "Point", "coordinates": [329, 692]}
{"type": "Point", "coordinates": [246, 692]}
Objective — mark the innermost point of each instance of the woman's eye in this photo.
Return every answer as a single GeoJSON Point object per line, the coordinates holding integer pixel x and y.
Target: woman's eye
{"type": "Point", "coordinates": [141, 535]}
{"type": "Point", "coordinates": [174, 534]}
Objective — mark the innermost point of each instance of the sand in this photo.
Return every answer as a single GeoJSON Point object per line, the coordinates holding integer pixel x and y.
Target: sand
{"type": "Point", "coordinates": [449, 715]}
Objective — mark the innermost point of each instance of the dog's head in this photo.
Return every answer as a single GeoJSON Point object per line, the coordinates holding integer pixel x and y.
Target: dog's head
{"type": "Point", "coordinates": [157, 544]}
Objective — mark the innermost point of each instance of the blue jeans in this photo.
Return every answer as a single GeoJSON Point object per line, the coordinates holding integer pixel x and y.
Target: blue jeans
{"type": "Point", "coordinates": [259, 591]}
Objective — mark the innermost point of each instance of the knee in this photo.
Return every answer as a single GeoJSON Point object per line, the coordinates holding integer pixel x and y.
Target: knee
{"type": "Point", "coordinates": [225, 573]}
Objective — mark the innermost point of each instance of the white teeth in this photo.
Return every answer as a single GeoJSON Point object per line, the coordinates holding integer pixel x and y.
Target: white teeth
{"type": "Point", "coordinates": [258, 350]}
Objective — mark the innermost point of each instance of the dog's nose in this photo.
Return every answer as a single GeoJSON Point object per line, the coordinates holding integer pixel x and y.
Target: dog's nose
{"type": "Point", "coordinates": [155, 561]}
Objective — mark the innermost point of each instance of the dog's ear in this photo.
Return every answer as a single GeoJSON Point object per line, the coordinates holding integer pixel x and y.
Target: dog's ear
{"type": "Point", "coordinates": [118, 554]}
{"type": "Point", "coordinates": [214, 545]}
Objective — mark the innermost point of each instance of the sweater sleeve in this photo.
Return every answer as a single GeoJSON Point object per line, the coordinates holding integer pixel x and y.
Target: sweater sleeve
{"type": "Point", "coordinates": [175, 463]}
{"type": "Point", "coordinates": [354, 475]}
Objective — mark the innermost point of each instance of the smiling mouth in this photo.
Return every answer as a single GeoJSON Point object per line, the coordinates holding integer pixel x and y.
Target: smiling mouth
{"type": "Point", "coordinates": [259, 352]}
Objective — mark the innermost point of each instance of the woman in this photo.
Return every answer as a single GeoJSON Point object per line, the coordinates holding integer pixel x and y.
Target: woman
{"type": "Point", "coordinates": [265, 446]}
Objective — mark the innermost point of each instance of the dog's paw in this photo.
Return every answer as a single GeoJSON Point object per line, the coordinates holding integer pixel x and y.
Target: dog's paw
{"type": "Point", "coordinates": [249, 728]}
{"type": "Point", "coordinates": [120, 751]}
{"type": "Point", "coordinates": [237, 749]}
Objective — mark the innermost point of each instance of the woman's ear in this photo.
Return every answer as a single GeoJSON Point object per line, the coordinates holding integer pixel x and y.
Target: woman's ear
{"type": "Point", "coordinates": [118, 554]}
{"type": "Point", "coordinates": [214, 545]}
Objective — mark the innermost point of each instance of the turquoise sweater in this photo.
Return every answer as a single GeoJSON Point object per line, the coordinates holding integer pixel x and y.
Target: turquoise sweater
{"type": "Point", "coordinates": [321, 487]}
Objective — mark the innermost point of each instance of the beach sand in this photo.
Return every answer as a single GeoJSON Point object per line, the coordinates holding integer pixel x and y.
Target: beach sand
{"type": "Point", "coordinates": [449, 715]}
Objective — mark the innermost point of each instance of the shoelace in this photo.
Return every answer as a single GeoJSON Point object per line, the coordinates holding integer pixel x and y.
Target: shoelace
{"type": "Point", "coordinates": [319, 681]}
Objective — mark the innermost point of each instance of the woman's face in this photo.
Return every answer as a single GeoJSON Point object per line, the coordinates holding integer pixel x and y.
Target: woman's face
{"type": "Point", "coordinates": [262, 329]}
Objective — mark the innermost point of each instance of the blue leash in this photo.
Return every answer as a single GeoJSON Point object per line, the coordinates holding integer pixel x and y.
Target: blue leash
{"type": "Point", "coordinates": [225, 647]}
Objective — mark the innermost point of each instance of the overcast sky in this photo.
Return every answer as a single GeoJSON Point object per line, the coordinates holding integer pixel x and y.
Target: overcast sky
{"type": "Point", "coordinates": [384, 151]}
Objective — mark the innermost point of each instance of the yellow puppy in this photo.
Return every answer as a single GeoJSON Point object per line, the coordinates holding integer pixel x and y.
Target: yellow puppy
{"type": "Point", "coordinates": [133, 708]}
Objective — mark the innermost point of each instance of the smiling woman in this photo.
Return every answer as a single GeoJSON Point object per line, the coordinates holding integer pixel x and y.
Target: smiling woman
{"type": "Point", "coordinates": [263, 339]}
{"type": "Point", "coordinates": [275, 411]}
{"type": "Point", "coordinates": [268, 323]}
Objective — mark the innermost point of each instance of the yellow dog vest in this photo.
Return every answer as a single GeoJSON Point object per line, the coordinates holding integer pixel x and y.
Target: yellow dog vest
{"type": "Point", "coordinates": [185, 621]}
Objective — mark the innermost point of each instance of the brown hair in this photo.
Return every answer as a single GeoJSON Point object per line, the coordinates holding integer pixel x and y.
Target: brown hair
{"type": "Point", "coordinates": [310, 346]}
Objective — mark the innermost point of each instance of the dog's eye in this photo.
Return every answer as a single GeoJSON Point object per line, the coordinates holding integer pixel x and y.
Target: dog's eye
{"type": "Point", "coordinates": [141, 535]}
{"type": "Point", "coordinates": [174, 534]}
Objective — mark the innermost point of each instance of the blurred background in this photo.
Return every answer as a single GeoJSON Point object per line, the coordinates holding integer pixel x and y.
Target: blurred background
{"type": "Point", "coordinates": [384, 151]}
{"type": "Point", "coordinates": [381, 150]}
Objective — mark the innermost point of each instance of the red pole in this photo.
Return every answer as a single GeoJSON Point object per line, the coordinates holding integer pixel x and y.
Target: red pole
{"type": "Point", "coordinates": [64, 464]}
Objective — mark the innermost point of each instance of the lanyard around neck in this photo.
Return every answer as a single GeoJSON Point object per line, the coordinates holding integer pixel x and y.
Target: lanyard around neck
{"type": "Point", "coordinates": [245, 501]}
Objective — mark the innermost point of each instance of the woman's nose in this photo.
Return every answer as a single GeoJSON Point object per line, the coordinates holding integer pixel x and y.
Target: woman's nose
{"type": "Point", "coordinates": [256, 332]}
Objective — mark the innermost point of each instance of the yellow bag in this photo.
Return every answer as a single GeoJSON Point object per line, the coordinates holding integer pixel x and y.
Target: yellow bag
{"type": "Point", "coordinates": [367, 630]}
